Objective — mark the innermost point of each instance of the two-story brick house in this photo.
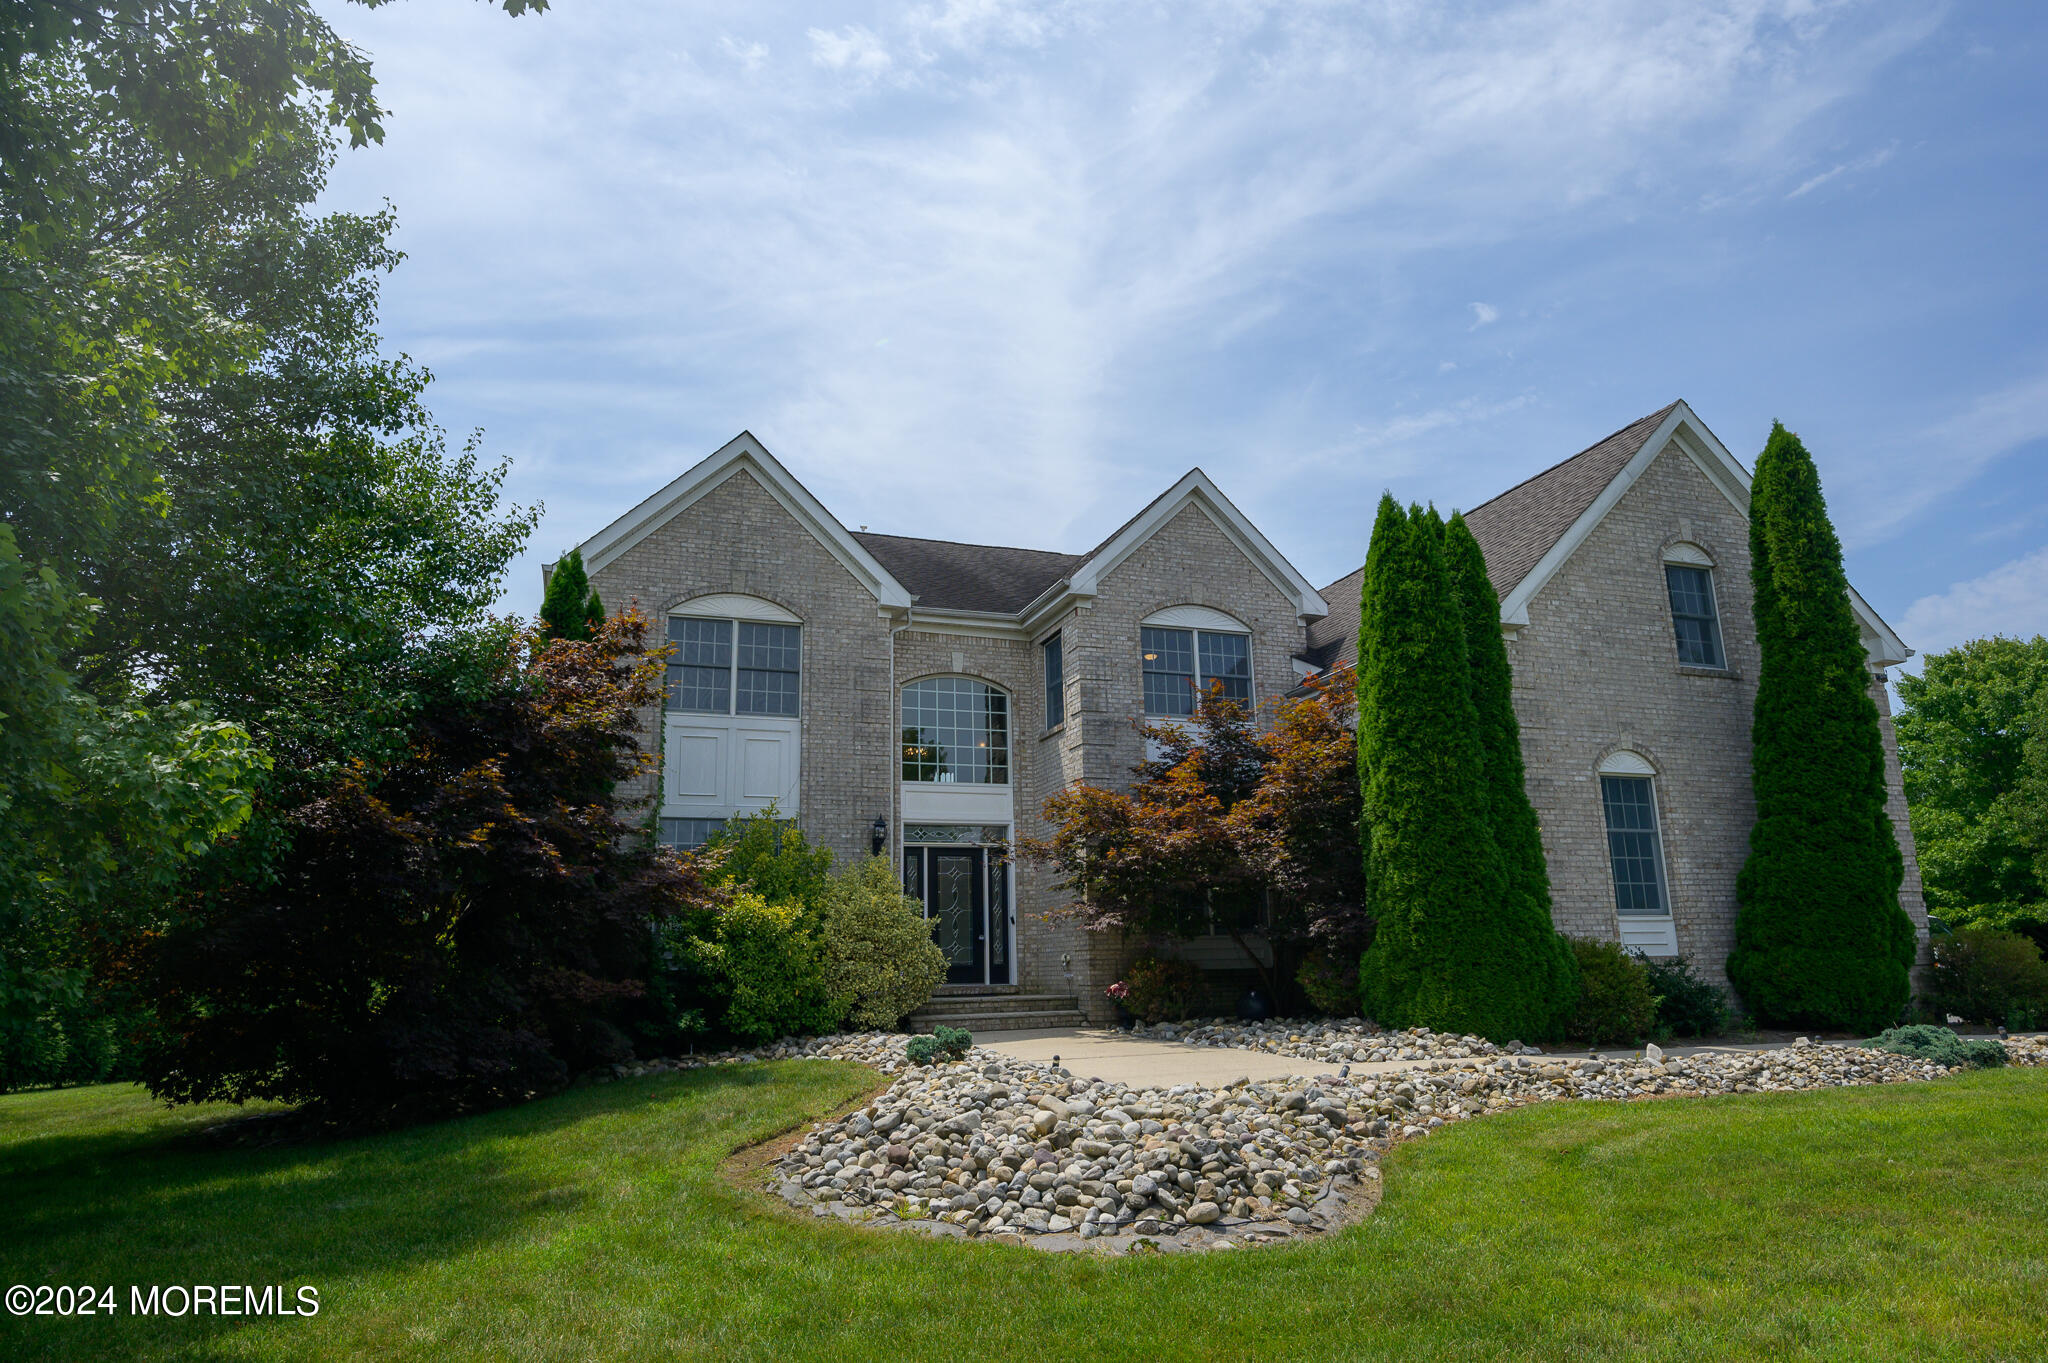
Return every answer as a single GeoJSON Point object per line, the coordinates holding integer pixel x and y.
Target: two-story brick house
{"type": "Point", "coordinates": [922, 698]}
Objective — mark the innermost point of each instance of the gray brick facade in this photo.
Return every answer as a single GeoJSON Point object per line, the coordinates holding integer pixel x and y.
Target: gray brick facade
{"type": "Point", "coordinates": [1596, 670]}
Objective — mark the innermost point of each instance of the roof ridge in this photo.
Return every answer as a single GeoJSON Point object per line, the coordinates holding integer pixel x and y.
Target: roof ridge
{"type": "Point", "coordinates": [1651, 419]}
{"type": "Point", "coordinates": [965, 544]}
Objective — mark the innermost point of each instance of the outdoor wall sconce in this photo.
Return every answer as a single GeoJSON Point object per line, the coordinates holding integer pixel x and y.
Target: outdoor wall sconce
{"type": "Point", "coordinates": [878, 835]}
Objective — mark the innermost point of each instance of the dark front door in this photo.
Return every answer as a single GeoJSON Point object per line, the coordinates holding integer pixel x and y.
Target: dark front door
{"type": "Point", "coordinates": [959, 913]}
{"type": "Point", "coordinates": [953, 885]}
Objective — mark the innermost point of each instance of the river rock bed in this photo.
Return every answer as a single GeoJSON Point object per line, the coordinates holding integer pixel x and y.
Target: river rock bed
{"type": "Point", "coordinates": [1333, 1041]}
{"type": "Point", "coordinates": [993, 1146]}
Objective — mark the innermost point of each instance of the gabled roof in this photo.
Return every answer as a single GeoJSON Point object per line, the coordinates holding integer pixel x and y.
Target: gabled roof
{"type": "Point", "coordinates": [743, 453]}
{"type": "Point", "coordinates": [944, 575]}
{"type": "Point", "coordinates": [1528, 532]}
{"type": "Point", "coordinates": [1196, 490]}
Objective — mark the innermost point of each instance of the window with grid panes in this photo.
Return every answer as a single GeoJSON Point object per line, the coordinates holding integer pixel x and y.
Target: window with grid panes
{"type": "Point", "coordinates": [1633, 848]}
{"type": "Point", "coordinates": [956, 729]}
{"type": "Point", "coordinates": [1181, 665]}
{"type": "Point", "coordinates": [1693, 616]}
{"type": "Point", "coordinates": [708, 675]}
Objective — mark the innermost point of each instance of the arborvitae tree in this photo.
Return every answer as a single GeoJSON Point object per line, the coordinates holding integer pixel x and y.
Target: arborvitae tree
{"type": "Point", "coordinates": [1534, 957]}
{"type": "Point", "coordinates": [565, 610]}
{"type": "Point", "coordinates": [593, 612]}
{"type": "Point", "coordinates": [1820, 939]}
{"type": "Point", "coordinates": [1435, 877]}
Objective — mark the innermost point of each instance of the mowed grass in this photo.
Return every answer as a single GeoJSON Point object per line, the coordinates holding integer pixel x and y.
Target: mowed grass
{"type": "Point", "coordinates": [1906, 1222]}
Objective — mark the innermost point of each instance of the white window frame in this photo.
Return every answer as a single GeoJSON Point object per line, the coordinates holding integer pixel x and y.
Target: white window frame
{"type": "Point", "coordinates": [1195, 621]}
{"type": "Point", "coordinates": [1685, 554]}
{"type": "Point", "coordinates": [1651, 934]}
{"type": "Point", "coordinates": [743, 763]}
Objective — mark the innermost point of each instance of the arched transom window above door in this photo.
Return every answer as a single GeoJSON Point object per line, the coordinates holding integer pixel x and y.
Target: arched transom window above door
{"type": "Point", "coordinates": [956, 730]}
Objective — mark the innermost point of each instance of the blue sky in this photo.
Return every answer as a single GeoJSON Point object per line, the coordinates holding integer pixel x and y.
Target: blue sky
{"type": "Point", "coordinates": [1001, 272]}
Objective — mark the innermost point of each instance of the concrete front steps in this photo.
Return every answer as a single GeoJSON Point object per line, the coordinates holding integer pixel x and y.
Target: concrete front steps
{"type": "Point", "coordinates": [996, 1010]}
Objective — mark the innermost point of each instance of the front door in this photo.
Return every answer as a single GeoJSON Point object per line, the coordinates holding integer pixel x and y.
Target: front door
{"type": "Point", "coordinates": [953, 884]}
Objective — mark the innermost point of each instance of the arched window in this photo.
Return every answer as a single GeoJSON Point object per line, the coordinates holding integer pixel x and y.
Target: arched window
{"type": "Point", "coordinates": [1634, 849]}
{"type": "Point", "coordinates": [1695, 616]}
{"type": "Point", "coordinates": [1186, 651]}
{"type": "Point", "coordinates": [956, 730]}
{"type": "Point", "coordinates": [734, 655]}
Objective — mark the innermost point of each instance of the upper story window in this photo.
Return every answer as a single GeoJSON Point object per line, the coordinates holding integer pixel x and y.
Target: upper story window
{"type": "Point", "coordinates": [956, 730]}
{"type": "Point", "coordinates": [1182, 664]}
{"type": "Point", "coordinates": [1055, 683]}
{"type": "Point", "coordinates": [1689, 578]}
{"type": "Point", "coordinates": [728, 666]}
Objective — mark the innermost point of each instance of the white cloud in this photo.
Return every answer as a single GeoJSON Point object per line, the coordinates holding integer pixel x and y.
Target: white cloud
{"type": "Point", "coordinates": [1890, 487]}
{"type": "Point", "coordinates": [855, 48]}
{"type": "Point", "coordinates": [1035, 241]}
{"type": "Point", "coordinates": [1870, 162]}
{"type": "Point", "coordinates": [2011, 599]}
{"type": "Point", "coordinates": [750, 56]}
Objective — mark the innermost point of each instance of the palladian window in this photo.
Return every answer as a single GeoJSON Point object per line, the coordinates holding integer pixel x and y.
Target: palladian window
{"type": "Point", "coordinates": [956, 730]}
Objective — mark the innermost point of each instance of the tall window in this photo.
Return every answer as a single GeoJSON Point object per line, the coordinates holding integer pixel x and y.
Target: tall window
{"type": "Point", "coordinates": [1055, 684]}
{"type": "Point", "coordinates": [1182, 664]}
{"type": "Point", "coordinates": [1633, 847]}
{"type": "Point", "coordinates": [708, 675]}
{"type": "Point", "coordinates": [1693, 615]}
{"type": "Point", "coordinates": [956, 729]}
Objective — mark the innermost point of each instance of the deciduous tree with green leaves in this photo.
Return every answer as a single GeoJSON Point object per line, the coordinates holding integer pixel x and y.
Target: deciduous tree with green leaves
{"type": "Point", "coordinates": [1820, 938]}
{"type": "Point", "coordinates": [1965, 727]}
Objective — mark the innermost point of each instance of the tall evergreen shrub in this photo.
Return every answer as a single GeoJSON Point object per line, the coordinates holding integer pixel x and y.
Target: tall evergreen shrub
{"type": "Point", "coordinates": [570, 610]}
{"type": "Point", "coordinates": [1820, 939]}
{"type": "Point", "coordinates": [1435, 875]}
{"type": "Point", "coordinates": [1535, 959]}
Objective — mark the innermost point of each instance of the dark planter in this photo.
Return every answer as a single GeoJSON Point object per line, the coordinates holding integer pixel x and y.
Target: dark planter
{"type": "Point", "coordinates": [1254, 1006]}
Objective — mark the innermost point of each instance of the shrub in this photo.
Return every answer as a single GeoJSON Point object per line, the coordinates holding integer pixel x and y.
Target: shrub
{"type": "Point", "coordinates": [1820, 939]}
{"type": "Point", "coordinates": [880, 961]}
{"type": "Point", "coordinates": [949, 1043]}
{"type": "Point", "coordinates": [1615, 1000]}
{"type": "Point", "coordinates": [1330, 981]}
{"type": "Point", "coordinates": [772, 959]}
{"type": "Point", "coordinates": [1686, 1004]}
{"type": "Point", "coordinates": [767, 854]}
{"type": "Point", "coordinates": [467, 923]}
{"type": "Point", "coordinates": [1159, 991]}
{"type": "Point", "coordinates": [1988, 975]}
{"type": "Point", "coordinates": [1939, 1044]}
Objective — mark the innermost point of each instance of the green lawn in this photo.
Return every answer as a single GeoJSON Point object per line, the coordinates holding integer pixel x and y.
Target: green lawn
{"type": "Point", "coordinates": [1905, 1222]}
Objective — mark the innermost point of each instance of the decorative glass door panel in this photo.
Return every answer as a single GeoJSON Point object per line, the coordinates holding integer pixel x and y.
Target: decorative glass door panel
{"type": "Point", "coordinates": [958, 912]}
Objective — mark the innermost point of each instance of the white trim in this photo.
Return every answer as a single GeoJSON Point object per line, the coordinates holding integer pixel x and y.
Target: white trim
{"type": "Point", "coordinates": [1686, 432]}
{"type": "Point", "coordinates": [1196, 617]}
{"type": "Point", "coordinates": [743, 453]}
{"type": "Point", "coordinates": [1626, 763]}
{"type": "Point", "coordinates": [1196, 490]}
{"type": "Point", "coordinates": [1687, 555]}
{"type": "Point", "coordinates": [735, 606]}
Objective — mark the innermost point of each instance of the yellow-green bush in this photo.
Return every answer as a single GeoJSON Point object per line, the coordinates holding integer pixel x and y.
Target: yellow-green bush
{"type": "Point", "coordinates": [772, 959]}
{"type": "Point", "coordinates": [880, 961]}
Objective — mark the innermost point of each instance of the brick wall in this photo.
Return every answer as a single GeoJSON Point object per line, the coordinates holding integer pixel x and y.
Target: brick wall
{"type": "Point", "coordinates": [1596, 669]}
{"type": "Point", "coordinates": [738, 538]}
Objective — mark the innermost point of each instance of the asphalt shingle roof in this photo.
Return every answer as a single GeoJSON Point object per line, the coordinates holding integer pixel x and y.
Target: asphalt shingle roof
{"type": "Point", "coordinates": [968, 577]}
{"type": "Point", "coordinates": [1515, 530]}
